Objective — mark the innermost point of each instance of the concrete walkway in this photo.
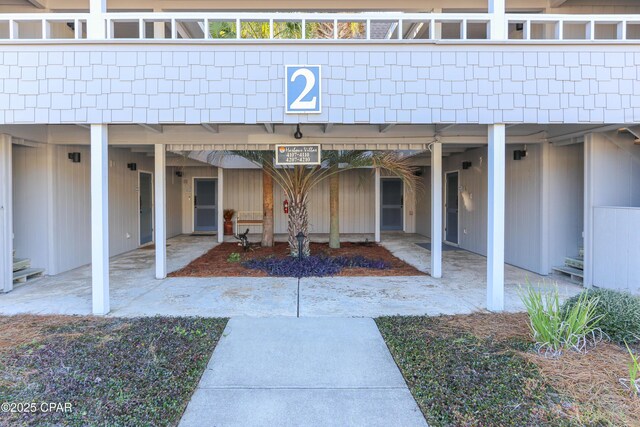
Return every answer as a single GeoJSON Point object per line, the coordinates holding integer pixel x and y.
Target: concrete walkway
{"type": "Point", "coordinates": [302, 372]}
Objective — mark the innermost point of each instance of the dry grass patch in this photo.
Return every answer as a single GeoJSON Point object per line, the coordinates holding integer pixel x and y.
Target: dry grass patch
{"type": "Point", "coordinates": [583, 389]}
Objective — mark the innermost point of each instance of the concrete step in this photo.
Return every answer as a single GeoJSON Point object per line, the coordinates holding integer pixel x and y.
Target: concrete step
{"type": "Point", "coordinates": [574, 262]}
{"type": "Point", "coordinates": [21, 263]}
{"type": "Point", "coordinates": [28, 273]}
{"type": "Point", "coordinates": [575, 274]}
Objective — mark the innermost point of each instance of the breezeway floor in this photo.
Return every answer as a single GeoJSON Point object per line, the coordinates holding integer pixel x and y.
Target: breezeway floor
{"type": "Point", "coordinates": [135, 291]}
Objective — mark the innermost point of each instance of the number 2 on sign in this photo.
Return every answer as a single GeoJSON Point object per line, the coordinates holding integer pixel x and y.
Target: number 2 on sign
{"type": "Point", "coordinates": [310, 80]}
{"type": "Point", "coordinates": [302, 89]}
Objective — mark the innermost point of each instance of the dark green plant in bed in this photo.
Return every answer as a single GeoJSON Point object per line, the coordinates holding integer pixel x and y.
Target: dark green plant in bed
{"type": "Point", "coordinates": [620, 313]}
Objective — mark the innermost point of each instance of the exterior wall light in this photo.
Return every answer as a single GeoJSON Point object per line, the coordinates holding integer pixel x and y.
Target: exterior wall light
{"type": "Point", "coordinates": [132, 166]}
{"type": "Point", "coordinates": [519, 154]}
{"type": "Point", "coordinates": [466, 165]}
{"type": "Point", "coordinates": [74, 157]}
{"type": "Point", "coordinates": [298, 134]}
{"type": "Point", "coordinates": [179, 174]}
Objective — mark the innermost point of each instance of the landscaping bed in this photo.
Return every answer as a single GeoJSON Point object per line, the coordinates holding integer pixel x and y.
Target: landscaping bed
{"type": "Point", "coordinates": [108, 371]}
{"type": "Point", "coordinates": [481, 369]}
{"type": "Point", "coordinates": [217, 262]}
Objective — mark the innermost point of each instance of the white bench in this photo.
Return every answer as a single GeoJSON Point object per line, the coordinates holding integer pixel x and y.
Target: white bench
{"type": "Point", "coordinates": [248, 218]}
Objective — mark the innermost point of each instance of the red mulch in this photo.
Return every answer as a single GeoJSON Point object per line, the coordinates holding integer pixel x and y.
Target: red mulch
{"type": "Point", "coordinates": [214, 263]}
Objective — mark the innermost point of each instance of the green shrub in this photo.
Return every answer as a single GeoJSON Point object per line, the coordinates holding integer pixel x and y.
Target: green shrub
{"type": "Point", "coordinates": [620, 313]}
{"type": "Point", "coordinates": [634, 368]}
{"type": "Point", "coordinates": [555, 329]}
{"type": "Point", "coordinates": [233, 257]}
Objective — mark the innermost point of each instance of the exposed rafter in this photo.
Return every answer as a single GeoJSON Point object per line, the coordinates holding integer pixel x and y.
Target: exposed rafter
{"type": "Point", "coordinates": [211, 127]}
{"type": "Point", "coordinates": [556, 3]}
{"type": "Point", "coordinates": [386, 128]}
{"type": "Point", "coordinates": [559, 138]}
{"type": "Point", "coordinates": [40, 4]}
{"type": "Point", "coordinates": [152, 128]}
{"type": "Point", "coordinates": [268, 127]}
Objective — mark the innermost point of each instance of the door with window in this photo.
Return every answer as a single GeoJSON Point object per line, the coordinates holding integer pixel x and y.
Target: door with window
{"type": "Point", "coordinates": [392, 209]}
{"type": "Point", "coordinates": [146, 207]}
{"type": "Point", "coordinates": [451, 207]}
{"type": "Point", "coordinates": [205, 210]}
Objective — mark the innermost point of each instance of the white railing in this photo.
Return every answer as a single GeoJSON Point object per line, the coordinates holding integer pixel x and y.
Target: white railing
{"type": "Point", "coordinates": [292, 27]}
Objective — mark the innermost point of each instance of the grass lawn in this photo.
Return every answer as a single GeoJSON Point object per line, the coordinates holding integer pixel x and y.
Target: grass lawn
{"type": "Point", "coordinates": [480, 369]}
{"type": "Point", "coordinates": [113, 371]}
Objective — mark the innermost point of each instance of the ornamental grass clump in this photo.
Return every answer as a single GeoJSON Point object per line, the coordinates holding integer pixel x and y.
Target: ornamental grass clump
{"type": "Point", "coordinates": [554, 329]}
{"type": "Point", "coordinates": [633, 382]}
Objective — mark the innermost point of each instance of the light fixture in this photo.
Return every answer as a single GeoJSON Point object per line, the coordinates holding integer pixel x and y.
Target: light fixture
{"type": "Point", "coordinates": [179, 174]}
{"type": "Point", "coordinates": [298, 134]}
{"type": "Point", "coordinates": [74, 157]}
{"type": "Point", "coordinates": [519, 154]}
{"type": "Point", "coordinates": [519, 26]}
{"type": "Point", "coordinates": [466, 165]}
{"type": "Point", "coordinates": [132, 166]}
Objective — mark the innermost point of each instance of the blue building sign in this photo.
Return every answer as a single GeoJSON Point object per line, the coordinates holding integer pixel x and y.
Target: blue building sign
{"type": "Point", "coordinates": [302, 89]}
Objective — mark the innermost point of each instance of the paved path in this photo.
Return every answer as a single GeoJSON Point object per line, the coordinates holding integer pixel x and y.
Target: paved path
{"type": "Point", "coordinates": [302, 372]}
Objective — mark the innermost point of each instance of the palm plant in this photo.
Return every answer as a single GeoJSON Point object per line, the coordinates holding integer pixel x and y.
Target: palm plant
{"type": "Point", "coordinates": [298, 181]}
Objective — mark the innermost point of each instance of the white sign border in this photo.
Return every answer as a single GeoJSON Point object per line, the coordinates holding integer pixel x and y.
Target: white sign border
{"type": "Point", "coordinates": [286, 89]}
{"type": "Point", "coordinates": [318, 163]}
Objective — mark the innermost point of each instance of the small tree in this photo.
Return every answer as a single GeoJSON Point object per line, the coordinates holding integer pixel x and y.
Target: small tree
{"type": "Point", "coordinates": [298, 181]}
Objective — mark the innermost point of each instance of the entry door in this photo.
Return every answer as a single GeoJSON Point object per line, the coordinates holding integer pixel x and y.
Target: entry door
{"type": "Point", "coordinates": [451, 206]}
{"type": "Point", "coordinates": [205, 204]}
{"type": "Point", "coordinates": [146, 208]}
{"type": "Point", "coordinates": [392, 204]}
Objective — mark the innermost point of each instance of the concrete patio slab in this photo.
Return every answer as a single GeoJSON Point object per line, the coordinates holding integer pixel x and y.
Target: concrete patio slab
{"type": "Point", "coordinates": [302, 371]}
{"type": "Point", "coordinates": [136, 292]}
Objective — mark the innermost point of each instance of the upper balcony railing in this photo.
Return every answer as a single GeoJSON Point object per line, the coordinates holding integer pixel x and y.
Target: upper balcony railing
{"type": "Point", "coordinates": [315, 27]}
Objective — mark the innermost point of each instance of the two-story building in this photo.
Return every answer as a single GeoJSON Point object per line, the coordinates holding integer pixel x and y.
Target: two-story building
{"type": "Point", "coordinates": [521, 115]}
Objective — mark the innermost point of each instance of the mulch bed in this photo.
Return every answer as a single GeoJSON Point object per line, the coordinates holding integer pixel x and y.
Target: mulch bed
{"type": "Point", "coordinates": [481, 369]}
{"type": "Point", "coordinates": [214, 263]}
{"type": "Point", "coordinates": [112, 371]}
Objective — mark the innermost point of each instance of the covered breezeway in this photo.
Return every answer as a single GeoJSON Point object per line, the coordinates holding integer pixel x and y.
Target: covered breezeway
{"type": "Point", "coordinates": [136, 292]}
{"type": "Point", "coordinates": [437, 149]}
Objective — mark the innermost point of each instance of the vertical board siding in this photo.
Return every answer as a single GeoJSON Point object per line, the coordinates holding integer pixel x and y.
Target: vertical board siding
{"type": "Point", "coordinates": [356, 204]}
{"type": "Point", "coordinates": [423, 204]}
{"type": "Point", "coordinates": [616, 244]}
{"type": "Point", "coordinates": [243, 192]}
{"type": "Point", "coordinates": [616, 175]}
{"type": "Point", "coordinates": [523, 225]}
{"type": "Point", "coordinates": [30, 205]}
{"type": "Point", "coordinates": [174, 203]}
{"type": "Point", "coordinates": [565, 201]}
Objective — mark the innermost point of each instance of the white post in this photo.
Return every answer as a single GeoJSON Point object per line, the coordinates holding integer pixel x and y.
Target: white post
{"type": "Point", "coordinates": [95, 22]}
{"type": "Point", "coordinates": [436, 210]}
{"type": "Point", "coordinates": [100, 218]}
{"type": "Point", "coordinates": [498, 24]}
{"type": "Point", "coordinates": [160, 206]}
{"type": "Point", "coordinates": [495, 218]}
{"type": "Point", "coordinates": [6, 215]}
{"type": "Point", "coordinates": [589, 186]}
{"type": "Point", "coordinates": [377, 206]}
{"type": "Point", "coordinates": [220, 205]}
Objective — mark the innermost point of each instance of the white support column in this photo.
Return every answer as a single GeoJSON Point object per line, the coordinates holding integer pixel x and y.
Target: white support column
{"type": "Point", "coordinates": [220, 205]}
{"type": "Point", "coordinates": [95, 22]}
{"type": "Point", "coordinates": [377, 206]}
{"type": "Point", "coordinates": [160, 206]}
{"type": "Point", "coordinates": [495, 218]}
{"type": "Point", "coordinates": [100, 218]}
{"type": "Point", "coordinates": [436, 210]}
{"type": "Point", "coordinates": [498, 24]}
{"type": "Point", "coordinates": [6, 214]}
{"type": "Point", "coordinates": [587, 231]}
